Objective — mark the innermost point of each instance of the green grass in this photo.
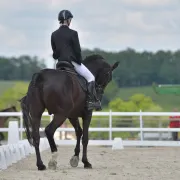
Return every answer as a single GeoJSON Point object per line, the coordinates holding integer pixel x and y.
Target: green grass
{"type": "Point", "coordinates": [4, 85]}
{"type": "Point", "coordinates": [167, 102]}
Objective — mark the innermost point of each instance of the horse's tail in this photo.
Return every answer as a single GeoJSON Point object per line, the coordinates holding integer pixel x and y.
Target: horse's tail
{"type": "Point", "coordinates": [25, 106]}
{"type": "Point", "coordinates": [27, 119]}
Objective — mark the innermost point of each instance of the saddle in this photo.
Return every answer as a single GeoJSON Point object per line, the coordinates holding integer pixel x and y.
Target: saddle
{"type": "Point", "coordinates": [69, 68]}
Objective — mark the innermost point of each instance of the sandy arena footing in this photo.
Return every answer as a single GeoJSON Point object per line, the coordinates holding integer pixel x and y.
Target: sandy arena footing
{"type": "Point", "coordinates": [127, 164]}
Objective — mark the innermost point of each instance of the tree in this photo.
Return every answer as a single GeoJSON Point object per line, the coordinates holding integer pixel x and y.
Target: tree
{"type": "Point", "coordinates": [135, 69]}
{"type": "Point", "coordinates": [21, 68]}
{"type": "Point", "coordinates": [135, 103]}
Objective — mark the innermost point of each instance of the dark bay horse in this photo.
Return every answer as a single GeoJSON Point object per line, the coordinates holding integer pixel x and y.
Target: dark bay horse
{"type": "Point", "coordinates": [61, 94]}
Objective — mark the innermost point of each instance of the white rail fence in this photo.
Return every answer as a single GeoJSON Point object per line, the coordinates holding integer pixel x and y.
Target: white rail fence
{"type": "Point", "coordinates": [110, 129]}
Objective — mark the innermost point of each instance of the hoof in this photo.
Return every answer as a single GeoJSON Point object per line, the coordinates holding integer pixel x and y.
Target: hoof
{"type": "Point", "coordinates": [74, 161]}
{"type": "Point", "coordinates": [52, 165]}
{"type": "Point", "coordinates": [87, 166]}
{"type": "Point", "coordinates": [42, 167]}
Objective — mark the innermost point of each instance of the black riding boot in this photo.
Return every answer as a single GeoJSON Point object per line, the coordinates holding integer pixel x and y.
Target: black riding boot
{"type": "Point", "coordinates": [92, 100]}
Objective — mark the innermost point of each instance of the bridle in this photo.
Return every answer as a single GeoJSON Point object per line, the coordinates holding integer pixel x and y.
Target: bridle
{"type": "Point", "coordinates": [100, 87]}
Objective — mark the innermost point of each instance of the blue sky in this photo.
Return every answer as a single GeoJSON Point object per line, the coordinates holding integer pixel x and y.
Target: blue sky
{"type": "Point", "coordinates": [26, 25]}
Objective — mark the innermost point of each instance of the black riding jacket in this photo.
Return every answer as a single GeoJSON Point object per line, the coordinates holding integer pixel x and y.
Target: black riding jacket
{"type": "Point", "coordinates": [65, 45]}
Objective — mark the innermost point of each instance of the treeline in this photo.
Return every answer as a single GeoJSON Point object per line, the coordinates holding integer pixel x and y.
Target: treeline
{"type": "Point", "coordinates": [143, 68]}
{"type": "Point", "coordinates": [20, 68]}
{"type": "Point", "coordinates": [135, 69]}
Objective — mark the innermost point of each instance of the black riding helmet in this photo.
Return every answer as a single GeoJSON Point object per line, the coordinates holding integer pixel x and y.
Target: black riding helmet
{"type": "Point", "coordinates": [64, 15]}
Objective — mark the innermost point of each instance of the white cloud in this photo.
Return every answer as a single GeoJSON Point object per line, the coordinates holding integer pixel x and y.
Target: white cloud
{"type": "Point", "coordinates": [148, 2]}
{"type": "Point", "coordinates": [56, 3]}
{"type": "Point", "coordinates": [135, 19]}
{"type": "Point", "coordinates": [17, 39]}
{"type": "Point", "coordinates": [26, 25]}
{"type": "Point", "coordinates": [152, 4]}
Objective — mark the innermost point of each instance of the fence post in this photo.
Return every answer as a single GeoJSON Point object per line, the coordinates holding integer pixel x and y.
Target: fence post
{"type": "Point", "coordinates": [21, 126]}
{"type": "Point", "coordinates": [160, 133]}
{"type": "Point", "coordinates": [110, 124]}
{"type": "Point", "coordinates": [141, 125]}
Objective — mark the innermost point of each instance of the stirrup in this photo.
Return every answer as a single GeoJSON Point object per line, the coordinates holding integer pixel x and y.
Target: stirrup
{"type": "Point", "coordinates": [92, 99]}
{"type": "Point", "coordinates": [90, 105]}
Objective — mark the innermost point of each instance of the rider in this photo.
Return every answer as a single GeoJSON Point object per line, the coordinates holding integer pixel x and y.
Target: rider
{"type": "Point", "coordinates": [66, 47]}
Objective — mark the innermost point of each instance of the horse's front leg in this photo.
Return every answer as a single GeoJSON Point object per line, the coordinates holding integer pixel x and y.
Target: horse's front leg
{"type": "Point", "coordinates": [75, 159]}
{"type": "Point", "coordinates": [50, 130]}
{"type": "Point", "coordinates": [86, 122]}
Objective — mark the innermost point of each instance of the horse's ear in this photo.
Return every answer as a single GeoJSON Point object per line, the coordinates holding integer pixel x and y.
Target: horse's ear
{"type": "Point", "coordinates": [115, 65]}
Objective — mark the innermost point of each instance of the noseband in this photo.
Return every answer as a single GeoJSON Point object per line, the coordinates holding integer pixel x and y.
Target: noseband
{"type": "Point", "coordinates": [100, 87]}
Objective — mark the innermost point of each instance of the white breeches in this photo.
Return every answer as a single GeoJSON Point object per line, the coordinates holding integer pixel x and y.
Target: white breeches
{"type": "Point", "coordinates": [83, 71]}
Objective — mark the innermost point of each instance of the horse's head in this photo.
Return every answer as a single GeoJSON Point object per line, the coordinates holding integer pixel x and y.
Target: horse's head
{"type": "Point", "coordinates": [101, 70]}
{"type": "Point", "coordinates": [11, 109]}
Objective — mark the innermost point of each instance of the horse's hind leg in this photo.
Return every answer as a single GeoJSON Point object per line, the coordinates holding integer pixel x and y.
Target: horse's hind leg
{"type": "Point", "coordinates": [36, 139]}
{"type": "Point", "coordinates": [32, 113]}
{"type": "Point", "coordinates": [75, 159]}
{"type": "Point", "coordinates": [50, 130]}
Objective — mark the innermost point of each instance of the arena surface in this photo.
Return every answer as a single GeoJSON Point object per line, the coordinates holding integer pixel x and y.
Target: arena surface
{"type": "Point", "coordinates": [127, 164]}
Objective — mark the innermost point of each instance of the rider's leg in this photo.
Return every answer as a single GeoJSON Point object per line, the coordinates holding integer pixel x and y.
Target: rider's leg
{"type": "Point", "coordinates": [92, 96]}
{"type": "Point", "coordinates": [83, 71]}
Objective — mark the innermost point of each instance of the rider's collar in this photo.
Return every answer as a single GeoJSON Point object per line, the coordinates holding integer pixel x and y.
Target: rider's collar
{"type": "Point", "coordinates": [64, 25]}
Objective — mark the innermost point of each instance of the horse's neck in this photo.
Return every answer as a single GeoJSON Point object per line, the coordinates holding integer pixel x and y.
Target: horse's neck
{"type": "Point", "coordinates": [93, 69]}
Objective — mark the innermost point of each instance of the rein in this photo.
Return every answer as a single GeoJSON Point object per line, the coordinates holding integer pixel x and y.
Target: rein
{"type": "Point", "coordinates": [100, 87]}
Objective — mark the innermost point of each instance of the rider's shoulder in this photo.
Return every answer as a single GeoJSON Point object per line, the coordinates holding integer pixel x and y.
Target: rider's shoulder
{"type": "Point", "coordinates": [54, 32]}
{"type": "Point", "coordinates": [73, 31]}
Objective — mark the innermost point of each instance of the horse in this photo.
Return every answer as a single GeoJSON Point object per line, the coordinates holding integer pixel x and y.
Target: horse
{"type": "Point", "coordinates": [63, 93]}
{"type": "Point", "coordinates": [3, 119]}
